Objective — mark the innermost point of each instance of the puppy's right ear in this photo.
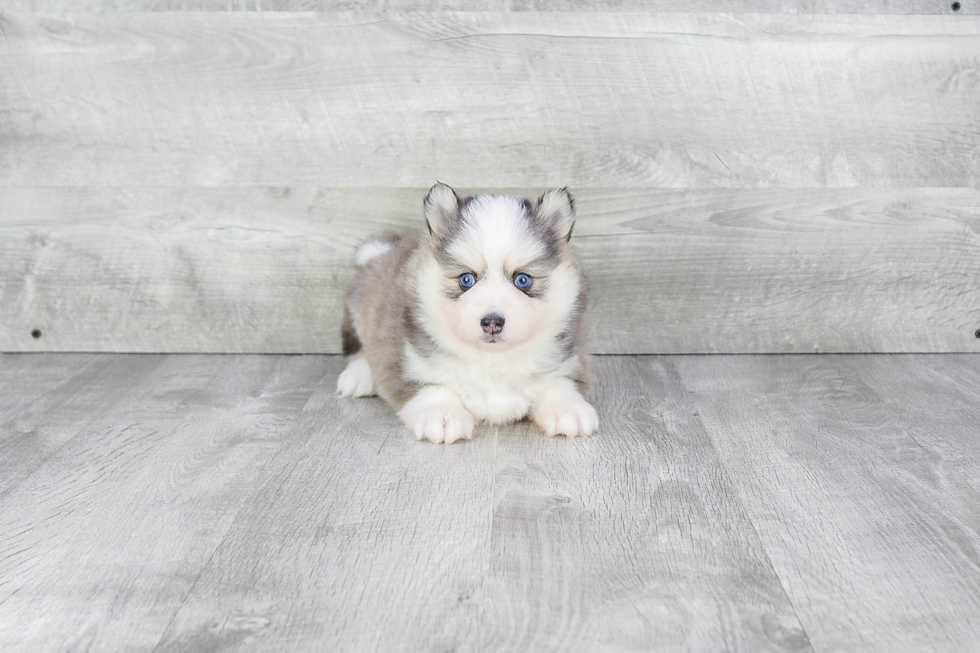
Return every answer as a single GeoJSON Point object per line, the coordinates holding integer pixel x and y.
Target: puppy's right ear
{"type": "Point", "coordinates": [441, 209]}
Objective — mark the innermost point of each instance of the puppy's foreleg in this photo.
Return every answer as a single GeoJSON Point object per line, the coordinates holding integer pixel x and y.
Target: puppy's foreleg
{"type": "Point", "coordinates": [561, 410]}
{"type": "Point", "coordinates": [437, 414]}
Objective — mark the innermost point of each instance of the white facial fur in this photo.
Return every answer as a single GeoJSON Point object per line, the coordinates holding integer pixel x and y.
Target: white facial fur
{"type": "Point", "coordinates": [496, 244]}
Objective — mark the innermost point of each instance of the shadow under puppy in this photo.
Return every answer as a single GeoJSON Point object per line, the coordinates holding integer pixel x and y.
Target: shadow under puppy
{"type": "Point", "coordinates": [479, 318]}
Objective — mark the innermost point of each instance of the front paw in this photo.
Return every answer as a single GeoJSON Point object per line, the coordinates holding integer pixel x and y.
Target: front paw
{"type": "Point", "coordinates": [440, 423]}
{"type": "Point", "coordinates": [571, 417]}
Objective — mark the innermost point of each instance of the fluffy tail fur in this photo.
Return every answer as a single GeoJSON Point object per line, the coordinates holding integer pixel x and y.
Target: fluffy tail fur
{"type": "Point", "coordinates": [374, 248]}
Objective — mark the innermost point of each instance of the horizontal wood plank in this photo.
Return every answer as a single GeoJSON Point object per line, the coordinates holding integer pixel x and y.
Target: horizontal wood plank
{"type": "Point", "coordinates": [712, 271]}
{"type": "Point", "coordinates": [584, 99]}
{"type": "Point", "coordinates": [727, 6]}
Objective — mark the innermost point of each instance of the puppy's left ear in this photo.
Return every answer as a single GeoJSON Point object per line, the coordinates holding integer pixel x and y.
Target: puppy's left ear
{"type": "Point", "coordinates": [556, 208]}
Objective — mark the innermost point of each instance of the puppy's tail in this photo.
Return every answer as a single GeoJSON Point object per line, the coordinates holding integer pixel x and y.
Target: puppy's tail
{"type": "Point", "coordinates": [374, 248]}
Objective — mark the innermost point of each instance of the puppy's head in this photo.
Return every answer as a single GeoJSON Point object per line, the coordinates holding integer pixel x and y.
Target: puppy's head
{"type": "Point", "coordinates": [501, 272]}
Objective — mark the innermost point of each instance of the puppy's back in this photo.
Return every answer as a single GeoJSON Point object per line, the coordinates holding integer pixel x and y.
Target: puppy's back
{"type": "Point", "coordinates": [378, 310]}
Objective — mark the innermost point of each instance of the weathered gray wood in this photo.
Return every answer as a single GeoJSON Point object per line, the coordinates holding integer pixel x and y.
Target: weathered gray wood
{"type": "Point", "coordinates": [44, 416]}
{"type": "Point", "coordinates": [584, 99]}
{"type": "Point", "coordinates": [727, 6]}
{"type": "Point", "coordinates": [873, 531]}
{"type": "Point", "coordinates": [29, 385]}
{"type": "Point", "coordinates": [360, 539]}
{"type": "Point", "coordinates": [102, 542]}
{"type": "Point", "coordinates": [364, 539]}
{"type": "Point", "coordinates": [633, 540]}
{"type": "Point", "coordinates": [728, 503]}
{"type": "Point", "coordinates": [134, 260]}
{"type": "Point", "coordinates": [948, 432]}
{"type": "Point", "coordinates": [705, 271]}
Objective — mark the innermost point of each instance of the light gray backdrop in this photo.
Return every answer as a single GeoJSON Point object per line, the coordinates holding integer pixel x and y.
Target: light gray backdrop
{"type": "Point", "coordinates": [774, 181]}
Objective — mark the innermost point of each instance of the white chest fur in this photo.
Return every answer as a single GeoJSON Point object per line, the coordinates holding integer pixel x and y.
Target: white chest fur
{"type": "Point", "coordinates": [493, 389]}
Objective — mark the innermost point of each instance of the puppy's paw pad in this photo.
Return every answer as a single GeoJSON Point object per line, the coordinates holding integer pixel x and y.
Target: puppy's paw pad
{"type": "Point", "coordinates": [442, 424]}
{"type": "Point", "coordinates": [356, 380]}
{"type": "Point", "coordinates": [569, 418]}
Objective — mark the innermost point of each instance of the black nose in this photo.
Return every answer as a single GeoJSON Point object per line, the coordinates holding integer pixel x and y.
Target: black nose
{"type": "Point", "coordinates": [492, 323]}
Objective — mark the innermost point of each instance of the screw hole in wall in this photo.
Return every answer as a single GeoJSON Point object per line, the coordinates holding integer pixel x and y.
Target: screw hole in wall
{"type": "Point", "coordinates": [977, 333]}
{"type": "Point", "coordinates": [956, 6]}
{"type": "Point", "coordinates": [36, 333]}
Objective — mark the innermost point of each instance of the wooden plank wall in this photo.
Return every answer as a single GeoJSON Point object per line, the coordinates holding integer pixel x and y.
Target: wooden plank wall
{"type": "Point", "coordinates": [193, 175]}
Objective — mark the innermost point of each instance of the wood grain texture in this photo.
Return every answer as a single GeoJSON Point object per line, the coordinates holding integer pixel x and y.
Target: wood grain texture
{"type": "Point", "coordinates": [196, 181]}
{"type": "Point", "coordinates": [502, 99]}
{"type": "Point", "coordinates": [47, 401]}
{"type": "Point", "coordinates": [747, 503]}
{"type": "Point", "coordinates": [29, 385]}
{"type": "Point", "coordinates": [363, 539]}
{"type": "Point", "coordinates": [359, 538]}
{"type": "Point", "coordinates": [630, 541]}
{"type": "Point", "coordinates": [949, 386]}
{"type": "Point", "coordinates": [101, 542]}
{"type": "Point", "coordinates": [702, 271]}
{"type": "Point", "coordinates": [861, 503]}
{"type": "Point", "coordinates": [907, 7]}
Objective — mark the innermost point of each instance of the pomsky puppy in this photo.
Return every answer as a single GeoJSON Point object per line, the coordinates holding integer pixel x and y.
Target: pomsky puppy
{"type": "Point", "coordinates": [478, 318]}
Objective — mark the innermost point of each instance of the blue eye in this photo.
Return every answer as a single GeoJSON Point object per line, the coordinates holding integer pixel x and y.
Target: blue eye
{"type": "Point", "coordinates": [522, 281]}
{"type": "Point", "coordinates": [466, 281]}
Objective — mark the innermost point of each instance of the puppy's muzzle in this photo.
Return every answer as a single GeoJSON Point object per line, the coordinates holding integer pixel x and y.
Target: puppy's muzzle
{"type": "Point", "coordinates": [492, 323]}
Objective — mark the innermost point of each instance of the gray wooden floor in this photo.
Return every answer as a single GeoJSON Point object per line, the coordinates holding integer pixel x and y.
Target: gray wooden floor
{"type": "Point", "coordinates": [747, 503]}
